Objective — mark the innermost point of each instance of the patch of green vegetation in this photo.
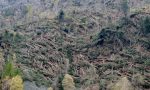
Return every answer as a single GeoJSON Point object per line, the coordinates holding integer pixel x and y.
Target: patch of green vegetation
{"type": "Point", "coordinates": [10, 70]}
{"type": "Point", "coordinates": [110, 36]}
{"type": "Point", "coordinates": [147, 62]}
{"type": "Point", "coordinates": [12, 38]}
{"type": "Point", "coordinates": [102, 84]}
{"type": "Point", "coordinates": [37, 77]}
{"type": "Point", "coordinates": [80, 41]}
{"type": "Point", "coordinates": [130, 51]}
{"type": "Point", "coordinates": [71, 70]}
{"type": "Point", "coordinates": [143, 60]}
{"type": "Point", "coordinates": [77, 82]}
{"type": "Point", "coordinates": [60, 81]}
{"type": "Point", "coordinates": [69, 54]}
{"type": "Point", "coordinates": [60, 40]}
{"type": "Point", "coordinates": [83, 20]}
{"type": "Point", "coordinates": [120, 63]}
{"type": "Point", "coordinates": [93, 54]}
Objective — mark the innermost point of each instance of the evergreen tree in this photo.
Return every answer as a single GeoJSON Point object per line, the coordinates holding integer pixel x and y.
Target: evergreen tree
{"type": "Point", "coordinates": [124, 7]}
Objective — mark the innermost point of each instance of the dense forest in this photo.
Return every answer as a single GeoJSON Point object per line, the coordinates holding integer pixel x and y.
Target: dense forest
{"type": "Point", "coordinates": [74, 44]}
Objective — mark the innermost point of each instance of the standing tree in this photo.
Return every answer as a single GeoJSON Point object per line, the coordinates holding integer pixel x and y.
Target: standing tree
{"type": "Point", "coordinates": [124, 7]}
{"type": "Point", "coordinates": [145, 25]}
{"type": "Point", "coordinates": [61, 15]}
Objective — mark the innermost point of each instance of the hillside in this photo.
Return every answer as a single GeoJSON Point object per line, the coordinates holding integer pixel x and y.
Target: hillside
{"type": "Point", "coordinates": [75, 44]}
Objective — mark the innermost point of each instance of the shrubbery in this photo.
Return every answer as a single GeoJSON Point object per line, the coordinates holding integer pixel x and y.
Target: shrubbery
{"type": "Point", "coordinates": [9, 70]}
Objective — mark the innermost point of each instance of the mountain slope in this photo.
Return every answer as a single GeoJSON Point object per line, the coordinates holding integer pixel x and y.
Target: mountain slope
{"type": "Point", "coordinates": [91, 40]}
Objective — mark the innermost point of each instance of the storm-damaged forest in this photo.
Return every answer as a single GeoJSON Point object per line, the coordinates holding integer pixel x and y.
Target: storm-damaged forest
{"type": "Point", "coordinates": [74, 44]}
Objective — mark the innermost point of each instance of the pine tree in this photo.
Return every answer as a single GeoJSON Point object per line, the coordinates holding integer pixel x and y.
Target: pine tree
{"type": "Point", "coordinates": [125, 7]}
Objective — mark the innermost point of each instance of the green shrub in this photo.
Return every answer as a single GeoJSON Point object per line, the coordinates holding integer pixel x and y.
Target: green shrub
{"type": "Point", "coordinates": [10, 70]}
